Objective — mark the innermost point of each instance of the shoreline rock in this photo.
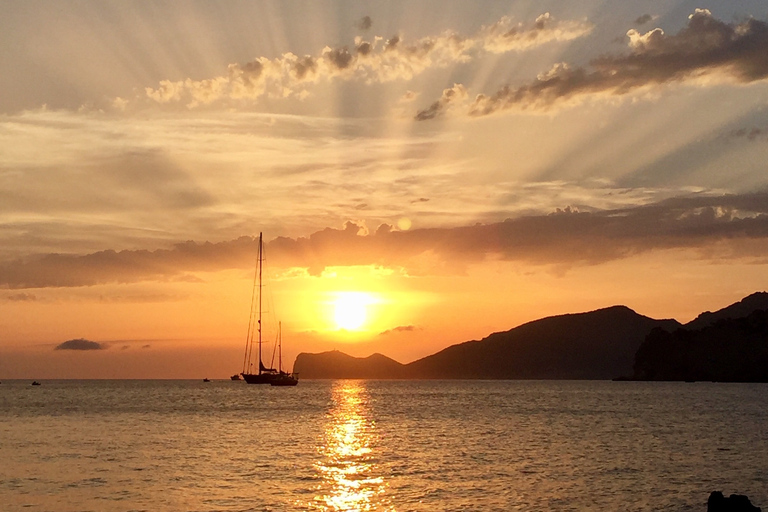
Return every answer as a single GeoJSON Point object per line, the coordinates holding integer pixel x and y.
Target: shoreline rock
{"type": "Point", "coordinates": [717, 502]}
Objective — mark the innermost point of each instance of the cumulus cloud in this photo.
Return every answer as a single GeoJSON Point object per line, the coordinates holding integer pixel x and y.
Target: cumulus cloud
{"type": "Point", "coordinates": [707, 50]}
{"type": "Point", "coordinates": [455, 94]}
{"type": "Point", "coordinates": [80, 344]}
{"type": "Point", "coordinates": [736, 224]}
{"type": "Point", "coordinates": [504, 36]}
{"type": "Point", "coordinates": [377, 59]}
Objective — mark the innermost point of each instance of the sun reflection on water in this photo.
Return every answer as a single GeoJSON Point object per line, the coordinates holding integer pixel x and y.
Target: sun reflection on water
{"type": "Point", "coordinates": [350, 477]}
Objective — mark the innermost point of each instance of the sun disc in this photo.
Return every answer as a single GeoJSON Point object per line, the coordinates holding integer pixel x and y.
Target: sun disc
{"type": "Point", "coordinates": [349, 311]}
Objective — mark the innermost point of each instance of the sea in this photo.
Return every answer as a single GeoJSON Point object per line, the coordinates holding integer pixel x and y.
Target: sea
{"type": "Point", "coordinates": [357, 445]}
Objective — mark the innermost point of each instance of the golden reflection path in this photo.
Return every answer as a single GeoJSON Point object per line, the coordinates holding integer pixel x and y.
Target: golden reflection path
{"type": "Point", "coordinates": [351, 480]}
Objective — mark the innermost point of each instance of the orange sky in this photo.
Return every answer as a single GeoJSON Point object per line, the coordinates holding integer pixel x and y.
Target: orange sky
{"type": "Point", "coordinates": [424, 173]}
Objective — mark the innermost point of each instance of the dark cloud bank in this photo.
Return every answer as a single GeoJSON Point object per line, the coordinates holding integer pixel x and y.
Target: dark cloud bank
{"type": "Point", "coordinates": [729, 226]}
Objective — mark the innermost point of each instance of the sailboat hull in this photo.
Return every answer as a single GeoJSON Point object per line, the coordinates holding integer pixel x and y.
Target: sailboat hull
{"type": "Point", "coordinates": [256, 378]}
{"type": "Point", "coordinates": [285, 379]}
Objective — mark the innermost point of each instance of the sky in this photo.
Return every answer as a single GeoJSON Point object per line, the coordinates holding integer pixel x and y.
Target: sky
{"type": "Point", "coordinates": [423, 172]}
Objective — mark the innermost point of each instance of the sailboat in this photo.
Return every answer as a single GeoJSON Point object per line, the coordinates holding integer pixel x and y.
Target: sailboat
{"type": "Point", "coordinates": [282, 378]}
{"type": "Point", "coordinates": [263, 375]}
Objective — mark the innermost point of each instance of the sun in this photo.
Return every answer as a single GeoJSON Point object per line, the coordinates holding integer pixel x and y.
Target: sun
{"type": "Point", "coordinates": [350, 310]}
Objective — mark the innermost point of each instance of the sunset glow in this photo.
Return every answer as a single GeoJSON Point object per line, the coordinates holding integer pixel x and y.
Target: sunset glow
{"type": "Point", "coordinates": [423, 173]}
{"type": "Point", "coordinates": [350, 310]}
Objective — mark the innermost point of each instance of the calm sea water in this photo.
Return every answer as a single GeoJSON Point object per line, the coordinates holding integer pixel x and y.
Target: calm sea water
{"type": "Point", "coordinates": [380, 445]}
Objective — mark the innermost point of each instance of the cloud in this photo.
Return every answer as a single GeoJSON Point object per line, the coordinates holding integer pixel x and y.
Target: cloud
{"type": "Point", "coordinates": [376, 60]}
{"type": "Point", "coordinates": [400, 328]}
{"type": "Point", "coordinates": [455, 94]}
{"type": "Point", "coordinates": [365, 23]}
{"type": "Point", "coordinates": [750, 134]}
{"type": "Point", "coordinates": [734, 226]}
{"type": "Point", "coordinates": [80, 344]}
{"type": "Point", "coordinates": [64, 270]}
{"type": "Point", "coordinates": [643, 19]}
{"type": "Point", "coordinates": [21, 297]}
{"type": "Point", "coordinates": [568, 236]}
{"type": "Point", "coordinates": [504, 36]}
{"type": "Point", "coordinates": [705, 51]}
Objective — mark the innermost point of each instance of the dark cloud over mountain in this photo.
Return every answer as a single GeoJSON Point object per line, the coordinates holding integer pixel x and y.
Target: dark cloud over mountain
{"type": "Point", "coordinates": [736, 224]}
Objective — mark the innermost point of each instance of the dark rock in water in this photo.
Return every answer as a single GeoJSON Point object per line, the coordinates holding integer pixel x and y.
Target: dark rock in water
{"type": "Point", "coordinates": [734, 503]}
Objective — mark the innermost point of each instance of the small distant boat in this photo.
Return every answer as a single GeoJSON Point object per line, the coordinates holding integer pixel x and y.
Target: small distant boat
{"type": "Point", "coordinates": [35, 383]}
{"type": "Point", "coordinates": [235, 377]}
{"type": "Point", "coordinates": [206, 379]}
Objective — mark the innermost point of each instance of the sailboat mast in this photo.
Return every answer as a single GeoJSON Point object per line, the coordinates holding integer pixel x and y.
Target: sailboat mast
{"type": "Point", "coordinates": [261, 259]}
{"type": "Point", "coordinates": [251, 319]}
{"type": "Point", "coordinates": [280, 347]}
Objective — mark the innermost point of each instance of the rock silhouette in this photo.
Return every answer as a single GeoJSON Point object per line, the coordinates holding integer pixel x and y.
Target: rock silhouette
{"type": "Point", "coordinates": [734, 503]}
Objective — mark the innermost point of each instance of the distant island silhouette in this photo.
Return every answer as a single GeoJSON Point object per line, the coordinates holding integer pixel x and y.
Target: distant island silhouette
{"type": "Point", "coordinates": [614, 342]}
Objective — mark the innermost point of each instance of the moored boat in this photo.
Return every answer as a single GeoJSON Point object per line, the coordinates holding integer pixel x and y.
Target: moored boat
{"type": "Point", "coordinates": [285, 379]}
{"type": "Point", "coordinates": [282, 378]}
{"type": "Point", "coordinates": [263, 375]}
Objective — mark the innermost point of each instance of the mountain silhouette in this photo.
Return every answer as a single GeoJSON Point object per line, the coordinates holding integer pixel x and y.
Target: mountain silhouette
{"type": "Point", "coordinates": [729, 350]}
{"type": "Point", "coordinates": [338, 365]}
{"type": "Point", "coordinates": [730, 344]}
{"type": "Point", "coordinates": [744, 307]}
{"type": "Point", "coordinates": [594, 345]}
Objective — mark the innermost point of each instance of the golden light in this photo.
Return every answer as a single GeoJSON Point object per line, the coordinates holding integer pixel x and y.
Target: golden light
{"type": "Point", "coordinates": [350, 479]}
{"type": "Point", "coordinates": [350, 310]}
